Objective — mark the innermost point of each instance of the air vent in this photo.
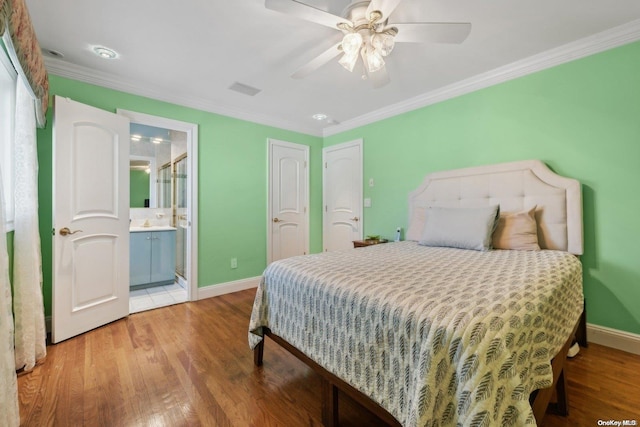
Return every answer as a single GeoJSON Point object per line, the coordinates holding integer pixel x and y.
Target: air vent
{"type": "Point", "coordinates": [245, 89]}
{"type": "Point", "coordinates": [53, 53]}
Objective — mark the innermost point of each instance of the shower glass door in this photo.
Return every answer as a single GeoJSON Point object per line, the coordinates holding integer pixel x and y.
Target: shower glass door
{"type": "Point", "coordinates": [164, 186]}
{"type": "Point", "coordinates": [180, 212]}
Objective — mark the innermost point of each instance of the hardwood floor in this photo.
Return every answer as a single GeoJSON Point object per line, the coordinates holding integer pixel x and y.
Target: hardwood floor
{"type": "Point", "coordinates": [190, 365]}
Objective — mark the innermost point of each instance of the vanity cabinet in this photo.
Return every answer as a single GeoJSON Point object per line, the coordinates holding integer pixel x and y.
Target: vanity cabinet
{"type": "Point", "coordinates": [153, 257]}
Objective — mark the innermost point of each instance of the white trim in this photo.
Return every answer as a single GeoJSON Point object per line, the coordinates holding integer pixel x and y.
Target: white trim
{"type": "Point", "coordinates": [228, 287]}
{"type": "Point", "coordinates": [614, 338]}
{"type": "Point", "coordinates": [207, 291]}
{"type": "Point", "coordinates": [87, 75]}
{"type": "Point", "coordinates": [191, 129]}
{"type": "Point", "coordinates": [306, 149]}
{"type": "Point", "coordinates": [587, 46]}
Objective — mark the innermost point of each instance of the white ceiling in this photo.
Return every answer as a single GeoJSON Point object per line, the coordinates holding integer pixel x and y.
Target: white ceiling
{"type": "Point", "coordinates": [190, 52]}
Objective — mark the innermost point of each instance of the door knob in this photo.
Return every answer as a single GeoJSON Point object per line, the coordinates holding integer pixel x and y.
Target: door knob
{"type": "Point", "coordinates": [65, 230]}
{"type": "Point", "coordinates": [355, 218]}
{"type": "Point", "coordinates": [276, 219]}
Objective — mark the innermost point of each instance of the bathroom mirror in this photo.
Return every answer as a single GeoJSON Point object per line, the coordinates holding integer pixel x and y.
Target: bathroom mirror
{"type": "Point", "coordinates": [150, 151]}
{"type": "Point", "coordinates": [142, 182]}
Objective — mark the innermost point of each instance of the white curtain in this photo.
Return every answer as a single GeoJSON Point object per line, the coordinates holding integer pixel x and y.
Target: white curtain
{"type": "Point", "coordinates": [9, 413]}
{"type": "Point", "coordinates": [30, 332]}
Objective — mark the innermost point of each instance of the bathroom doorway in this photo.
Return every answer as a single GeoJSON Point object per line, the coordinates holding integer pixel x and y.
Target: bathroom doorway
{"type": "Point", "coordinates": [163, 211]}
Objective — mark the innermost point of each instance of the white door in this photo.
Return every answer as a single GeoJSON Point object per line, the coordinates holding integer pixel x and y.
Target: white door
{"type": "Point", "coordinates": [342, 194]}
{"type": "Point", "coordinates": [288, 200]}
{"type": "Point", "coordinates": [91, 218]}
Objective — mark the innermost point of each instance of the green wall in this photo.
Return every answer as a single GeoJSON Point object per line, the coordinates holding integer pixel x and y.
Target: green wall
{"type": "Point", "coordinates": [138, 188]}
{"type": "Point", "coordinates": [581, 118]}
{"type": "Point", "coordinates": [232, 182]}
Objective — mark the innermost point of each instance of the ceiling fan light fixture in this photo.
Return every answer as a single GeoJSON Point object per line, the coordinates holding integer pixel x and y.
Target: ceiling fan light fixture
{"type": "Point", "coordinates": [374, 60]}
{"type": "Point", "coordinates": [349, 60]}
{"type": "Point", "coordinates": [351, 43]}
{"type": "Point", "coordinates": [383, 43]}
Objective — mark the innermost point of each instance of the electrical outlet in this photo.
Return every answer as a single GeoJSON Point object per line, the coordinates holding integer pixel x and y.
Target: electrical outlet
{"type": "Point", "coordinates": [234, 262]}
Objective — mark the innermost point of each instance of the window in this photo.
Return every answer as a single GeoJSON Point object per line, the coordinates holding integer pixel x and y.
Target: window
{"type": "Point", "coordinates": [8, 78]}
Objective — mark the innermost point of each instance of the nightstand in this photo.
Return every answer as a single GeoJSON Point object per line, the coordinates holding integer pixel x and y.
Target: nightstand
{"type": "Point", "coordinates": [363, 243]}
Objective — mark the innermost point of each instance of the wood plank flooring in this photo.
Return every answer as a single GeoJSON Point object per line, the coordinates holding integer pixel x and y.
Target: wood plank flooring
{"type": "Point", "coordinates": [190, 365]}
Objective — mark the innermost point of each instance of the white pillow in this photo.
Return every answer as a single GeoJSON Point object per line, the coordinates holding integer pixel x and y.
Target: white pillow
{"type": "Point", "coordinates": [463, 228]}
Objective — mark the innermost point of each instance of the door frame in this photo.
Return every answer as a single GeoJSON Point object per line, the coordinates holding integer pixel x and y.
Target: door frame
{"type": "Point", "coordinates": [191, 129]}
{"type": "Point", "coordinates": [325, 228]}
{"type": "Point", "coordinates": [270, 144]}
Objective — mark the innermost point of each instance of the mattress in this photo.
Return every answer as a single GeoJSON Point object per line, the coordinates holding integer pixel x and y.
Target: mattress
{"type": "Point", "coordinates": [436, 336]}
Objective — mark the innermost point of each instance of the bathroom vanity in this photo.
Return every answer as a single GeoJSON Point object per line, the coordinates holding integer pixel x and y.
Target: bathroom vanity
{"type": "Point", "coordinates": [152, 256]}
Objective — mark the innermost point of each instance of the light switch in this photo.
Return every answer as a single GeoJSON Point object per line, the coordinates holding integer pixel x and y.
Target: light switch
{"type": "Point", "coordinates": [367, 202]}
{"type": "Point", "coordinates": [371, 182]}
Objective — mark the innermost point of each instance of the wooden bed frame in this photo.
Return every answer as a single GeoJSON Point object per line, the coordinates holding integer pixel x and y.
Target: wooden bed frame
{"type": "Point", "coordinates": [541, 400]}
{"type": "Point", "coordinates": [560, 227]}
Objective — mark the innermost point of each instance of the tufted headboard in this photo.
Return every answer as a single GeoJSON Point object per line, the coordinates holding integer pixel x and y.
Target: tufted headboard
{"type": "Point", "coordinates": [514, 186]}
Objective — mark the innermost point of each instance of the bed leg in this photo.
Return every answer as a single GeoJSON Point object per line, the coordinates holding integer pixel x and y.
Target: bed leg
{"type": "Point", "coordinates": [561, 406]}
{"type": "Point", "coordinates": [329, 404]}
{"type": "Point", "coordinates": [581, 333]}
{"type": "Point", "coordinates": [258, 353]}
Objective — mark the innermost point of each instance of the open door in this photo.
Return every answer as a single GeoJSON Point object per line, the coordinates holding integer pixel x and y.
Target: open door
{"type": "Point", "coordinates": [91, 218]}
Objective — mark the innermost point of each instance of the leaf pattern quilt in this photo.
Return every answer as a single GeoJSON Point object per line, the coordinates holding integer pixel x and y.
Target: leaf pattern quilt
{"type": "Point", "coordinates": [436, 336]}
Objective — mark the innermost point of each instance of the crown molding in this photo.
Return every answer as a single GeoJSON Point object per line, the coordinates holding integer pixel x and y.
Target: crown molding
{"type": "Point", "coordinates": [587, 46]}
{"type": "Point", "coordinates": [83, 74]}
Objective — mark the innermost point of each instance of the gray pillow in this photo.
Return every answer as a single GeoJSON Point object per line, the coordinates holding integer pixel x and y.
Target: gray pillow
{"type": "Point", "coordinates": [463, 228]}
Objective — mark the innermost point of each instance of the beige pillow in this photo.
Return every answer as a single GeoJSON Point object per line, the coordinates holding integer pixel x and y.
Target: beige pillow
{"type": "Point", "coordinates": [517, 230]}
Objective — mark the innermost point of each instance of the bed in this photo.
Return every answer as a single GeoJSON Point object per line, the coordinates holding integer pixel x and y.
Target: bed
{"type": "Point", "coordinates": [431, 332]}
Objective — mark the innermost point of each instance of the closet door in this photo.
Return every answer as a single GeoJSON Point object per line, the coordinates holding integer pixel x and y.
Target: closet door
{"type": "Point", "coordinates": [342, 194]}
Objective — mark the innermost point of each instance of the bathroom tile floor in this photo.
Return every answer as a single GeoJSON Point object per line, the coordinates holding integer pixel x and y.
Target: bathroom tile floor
{"type": "Point", "coordinates": [158, 296]}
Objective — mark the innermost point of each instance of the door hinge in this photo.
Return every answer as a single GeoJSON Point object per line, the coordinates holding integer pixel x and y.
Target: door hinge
{"type": "Point", "coordinates": [326, 208]}
{"type": "Point", "coordinates": [305, 210]}
{"type": "Point", "coordinates": [53, 231]}
{"type": "Point", "coordinates": [305, 163]}
{"type": "Point", "coordinates": [325, 165]}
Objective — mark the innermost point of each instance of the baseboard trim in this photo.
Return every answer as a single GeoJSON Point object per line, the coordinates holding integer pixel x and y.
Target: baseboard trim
{"type": "Point", "coordinates": [614, 338]}
{"type": "Point", "coordinates": [228, 287]}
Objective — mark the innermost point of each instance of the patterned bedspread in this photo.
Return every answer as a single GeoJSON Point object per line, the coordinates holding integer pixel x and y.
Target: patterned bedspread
{"type": "Point", "coordinates": [436, 336]}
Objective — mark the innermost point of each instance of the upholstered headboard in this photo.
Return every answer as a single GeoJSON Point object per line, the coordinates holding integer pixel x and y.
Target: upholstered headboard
{"type": "Point", "coordinates": [514, 186]}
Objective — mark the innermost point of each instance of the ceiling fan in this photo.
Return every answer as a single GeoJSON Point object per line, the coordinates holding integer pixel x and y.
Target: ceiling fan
{"type": "Point", "coordinates": [368, 34]}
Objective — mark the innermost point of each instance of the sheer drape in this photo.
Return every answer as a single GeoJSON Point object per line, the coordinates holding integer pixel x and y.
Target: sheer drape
{"type": "Point", "coordinates": [9, 413]}
{"type": "Point", "coordinates": [30, 333]}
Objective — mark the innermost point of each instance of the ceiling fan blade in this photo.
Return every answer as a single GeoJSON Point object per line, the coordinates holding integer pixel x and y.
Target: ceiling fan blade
{"type": "Point", "coordinates": [318, 61]}
{"type": "Point", "coordinates": [435, 32]}
{"type": "Point", "coordinates": [306, 12]}
{"type": "Point", "coordinates": [385, 6]}
{"type": "Point", "coordinates": [379, 78]}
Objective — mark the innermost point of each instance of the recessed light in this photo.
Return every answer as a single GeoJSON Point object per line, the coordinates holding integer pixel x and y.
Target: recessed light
{"type": "Point", "coordinates": [156, 140]}
{"type": "Point", "coordinates": [319, 117]}
{"type": "Point", "coordinates": [135, 137]}
{"type": "Point", "coordinates": [104, 52]}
